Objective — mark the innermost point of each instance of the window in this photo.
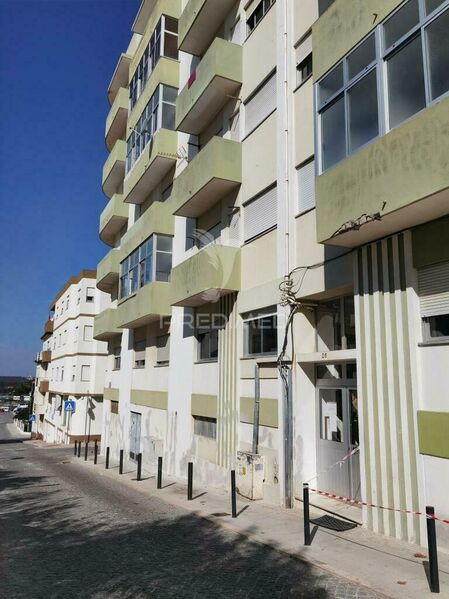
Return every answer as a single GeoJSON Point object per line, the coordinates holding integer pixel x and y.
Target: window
{"type": "Point", "coordinates": [258, 14]}
{"type": "Point", "coordinates": [90, 294]}
{"type": "Point", "coordinates": [79, 296]}
{"type": "Point", "coordinates": [163, 349]}
{"type": "Point", "coordinates": [207, 337]}
{"type": "Point", "coordinates": [159, 112]}
{"type": "Point", "coordinates": [114, 407]}
{"type": "Point", "coordinates": [403, 65]}
{"type": "Point", "coordinates": [62, 373]}
{"type": "Point", "coordinates": [151, 261]}
{"type": "Point", "coordinates": [203, 238]}
{"type": "Point", "coordinates": [306, 186]}
{"type": "Point", "coordinates": [73, 372]}
{"type": "Point", "coordinates": [163, 42]}
{"type": "Point", "coordinates": [304, 60]}
{"type": "Point", "coordinates": [85, 373]}
{"type": "Point", "coordinates": [67, 302]}
{"type": "Point", "coordinates": [335, 324]}
{"type": "Point", "coordinates": [117, 357]}
{"type": "Point", "coordinates": [205, 427]}
{"type": "Point", "coordinates": [260, 214]}
{"type": "Point", "coordinates": [88, 332]}
{"type": "Point", "coordinates": [75, 337]}
{"type": "Point", "coordinates": [139, 353]}
{"type": "Point", "coordinates": [260, 334]}
{"type": "Point", "coordinates": [261, 104]}
{"type": "Point", "coordinates": [433, 285]}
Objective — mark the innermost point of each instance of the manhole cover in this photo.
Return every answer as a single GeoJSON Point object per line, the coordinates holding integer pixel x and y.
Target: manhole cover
{"type": "Point", "coordinates": [333, 523]}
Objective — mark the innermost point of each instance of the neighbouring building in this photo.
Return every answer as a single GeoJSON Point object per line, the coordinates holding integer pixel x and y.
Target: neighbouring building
{"type": "Point", "coordinates": [71, 366]}
{"type": "Point", "coordinates": [278, 227]}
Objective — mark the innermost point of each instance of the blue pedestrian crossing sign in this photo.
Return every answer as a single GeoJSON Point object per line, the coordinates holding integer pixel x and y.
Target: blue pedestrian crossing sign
{"type": "Point", "coordinates": [32, 418]}
{"type": "Point", "coordinates": [69, 405]}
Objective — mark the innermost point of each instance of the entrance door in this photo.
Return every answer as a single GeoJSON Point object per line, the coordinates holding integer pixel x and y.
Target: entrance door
{"type": "Point", "coordinates": [134, 435]}
{"type": "Point", "coordinates": [338, 435]}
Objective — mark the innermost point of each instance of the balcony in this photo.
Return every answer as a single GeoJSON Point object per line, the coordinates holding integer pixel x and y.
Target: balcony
{"type": "Point", "coordinates": [114, 169]}
{"type": "Point", "coordinates": [108, 271]}
{"type": "Point", "coordinates": [147, 305]}
{"type": "Point", "coordinates": [217, 77]}
{"type": "Point", "coordinates": [116, 121]}
{"type": "Point", "coordinates": [143, 14]}
{"type": "Point", "coordinates": [206, 276]}
{"type": "Point", "coordinates": [44, 387]}
{"type": "Point", "coordinates": [48, 329]}
{"type": "Point", "coordinates": [199, 22]}
{"type": "Point", "coordinates": [158, 218]}
{"type": "Point", "coordinates": [46, 356]}
{"type": "Point", "coordinates": [400, 180]}
{"type": "Point", "coordinates": [113, 218]}
{"type": "Point", "coordinates": [120, 77]}
{"type": "Point", "coordinates": [214, 172]}
{"type": "Point", "coordinates": [157, 159]}
{"type": "Point", "coordinates": [105, 325]}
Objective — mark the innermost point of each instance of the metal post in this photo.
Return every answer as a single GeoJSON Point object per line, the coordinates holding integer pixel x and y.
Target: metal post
{"type": "Point", "coordinates": [107, 458]}
{"type": "Point", "coordinates": [288, 436]}
{"type": "Point", "coordinates": [305, 499]}
{"type": "Point", "coordinates": [86, 449]}
{"type": "Point", "coordinates": [189, 481]}
{"type": "Point", "coordinates": [79, 449]}
{"type": "Point", "coordinates": [96, 452]}
{"type": "Point", "coordinates": [233, 495]}
{"type": "Point", "coordinates": [433, 553]}
{"type": "Point", "coordinates": [120, 466]}
{"type": "Point", "coordinates": [139, 466]}
{"type": "Point", "coordinates": [255, 446]}
{"type": "Point", "coordinates": [76, 447]}
{"type": "Point", "coordinates": [159, 472]}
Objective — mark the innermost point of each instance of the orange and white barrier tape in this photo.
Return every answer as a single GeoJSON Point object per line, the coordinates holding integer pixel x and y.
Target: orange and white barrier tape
{"type": "Point", "coordinates": [352, 501]}
{"type": "Point", "coordinates": [339, 463]}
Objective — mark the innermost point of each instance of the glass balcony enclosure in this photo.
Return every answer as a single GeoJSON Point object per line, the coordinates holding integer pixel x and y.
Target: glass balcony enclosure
{"type": "Point", "coordinates": [158, 113]}
{"type": "Point", "coordinates": [397, 70]}
{"type": "Point", "coordinates": [151, 261]}
{"type": "Point", "coordinates": [163, 42]}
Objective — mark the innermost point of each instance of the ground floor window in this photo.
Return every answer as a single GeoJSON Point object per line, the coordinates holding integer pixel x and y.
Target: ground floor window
{"type": "Point", "coordinates": [261, 335]}
{"type": "Point", "coordinates": [205, 427]}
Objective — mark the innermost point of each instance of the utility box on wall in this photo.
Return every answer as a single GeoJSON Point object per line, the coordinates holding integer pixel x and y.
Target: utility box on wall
{"type": "Point", "coordinates": [250, 474]}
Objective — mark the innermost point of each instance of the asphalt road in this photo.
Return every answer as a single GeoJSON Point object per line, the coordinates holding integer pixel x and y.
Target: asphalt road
{"type": "Point", "coordinates": [67, 532]}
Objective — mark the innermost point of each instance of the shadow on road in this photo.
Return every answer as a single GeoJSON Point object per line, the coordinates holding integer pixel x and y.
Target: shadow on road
{"type": "Point", "coordinates": [58, 548]}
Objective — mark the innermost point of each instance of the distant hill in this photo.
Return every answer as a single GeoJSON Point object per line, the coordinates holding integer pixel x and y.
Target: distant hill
{"type": "Point", "coordinates": [15, 385]}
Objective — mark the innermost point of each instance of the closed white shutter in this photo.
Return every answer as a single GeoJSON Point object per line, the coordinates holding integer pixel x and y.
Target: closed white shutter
{"type": "Point", "coordinates": [261, 213]}
{"type": "Point", "coordinates": [433, 283]}
{"type": "Point", "coordinates": [306, 186]}
{"type": "Point", "coordinates": [304, 49]}
{"type": "Point", "coordinates": [163, 348]}
{"type": "Point", "coordinates": [261, 104]}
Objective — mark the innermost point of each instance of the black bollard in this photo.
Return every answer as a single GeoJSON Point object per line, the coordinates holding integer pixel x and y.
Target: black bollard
{"type": "Point", "coordinates": [120, 465]}
{"type": "Point", "coordinates": [305, 498]}
{"type": "Point", "coordinates": [233, 495]}
{"type": "Point", "coordinates": [107, 458]}
{"type": "Point", "coordinates": [76, 447]}
{"type": "Point", "coordinates": [159, 472]}
{"type": "Point", "coordinates": [86, 449]}
{"type": "Point", "coordinates": [79, 449]}
{"type": "Point", "coordinates": [139, 466]}
{"type": "Point", "coordinates": [189, 481]}
{"type": "Point", "coordinates": [96, 452]}
{"type": "Point", "coordinates": [433, 552]}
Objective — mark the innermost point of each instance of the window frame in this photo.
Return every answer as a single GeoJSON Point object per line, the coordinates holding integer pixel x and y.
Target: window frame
{"type": "Point", "coordinates": [204, 419]}
{"type": "Point", "coordinates": [252, 318]}
{"type": "Point", "coordinates": [426, 332]}
{"type": "Point", "coordinates": [380, 64]}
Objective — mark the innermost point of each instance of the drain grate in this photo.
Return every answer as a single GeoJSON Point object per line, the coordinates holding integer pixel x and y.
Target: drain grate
{"type": "Point", "coordinates": [333, 523]}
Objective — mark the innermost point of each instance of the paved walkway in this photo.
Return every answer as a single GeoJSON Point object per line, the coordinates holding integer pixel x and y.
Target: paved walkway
{"type": "Point", "coordinates": [385, 565]}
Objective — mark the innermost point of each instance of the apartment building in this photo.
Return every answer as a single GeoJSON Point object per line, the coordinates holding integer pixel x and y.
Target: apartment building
{"type": "Point", "coordinates": [71, 365]}
{"type": "Point", "coordinates": [278, 277]}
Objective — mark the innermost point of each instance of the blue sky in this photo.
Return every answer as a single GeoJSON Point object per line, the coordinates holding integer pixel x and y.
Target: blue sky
{"type": "Point", "coordinates": [56, 60]}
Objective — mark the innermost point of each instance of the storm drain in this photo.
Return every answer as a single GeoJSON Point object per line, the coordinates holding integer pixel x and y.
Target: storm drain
{"type": "Point", "coordinates": [333, 523]}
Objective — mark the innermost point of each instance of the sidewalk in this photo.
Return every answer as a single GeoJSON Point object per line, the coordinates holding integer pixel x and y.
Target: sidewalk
{"type": "Point", "coordinates": [383, 564]}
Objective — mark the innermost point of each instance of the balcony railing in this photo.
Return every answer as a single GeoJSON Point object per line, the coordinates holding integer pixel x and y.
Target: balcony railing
{"type": "Point", "coordinates": [199, 22]}
{"type": "Point", "coordinates": [116, 122]}
{"type": "Point", "coordinates": [113, 218]}
{"type": "Point", "coordinates": [114, 169]}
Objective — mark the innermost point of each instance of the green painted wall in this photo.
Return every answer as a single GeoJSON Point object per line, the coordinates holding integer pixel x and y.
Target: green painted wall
{"type": "Point", "coordinates": [118, 154]}
{"type": "Point", "coordinates": [147, 304]}
{"type": "Point", "coordinates": [120, 102]}
{"type": "Point", "coordinates": [394, 171]}
{"type": "Point", "coordinates": [433, 430]}
{"type": "Point", "coordinates": [108, 267]}
{"type": "Point", "coordinates": [150, 399]}
{"type": "Point", "coordinates": [430, 243]}
{"type": "Point", "coordinates": [188, 16]}
{"type": "Point", "coordinates": [115, 208]}
{"type": "Point", "coordinates": [105, 324]}
{"type": "Point", "coordinates": [268, 415]}
{"type": "Point", "coordinates": [111, 393]}
{"type": "Point", "coordinates": [342, 26]}
{"type": "Point", "coordinates": [157, 219]}
{"type": "Point", "coordinates": [204, 405]}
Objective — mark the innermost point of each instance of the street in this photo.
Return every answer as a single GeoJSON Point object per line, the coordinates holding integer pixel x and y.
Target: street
{"type": "Point", "coordinates": [68, 532]}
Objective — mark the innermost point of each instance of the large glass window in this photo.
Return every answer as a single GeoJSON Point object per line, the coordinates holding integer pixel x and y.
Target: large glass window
{"type": "Point", "coordinates": [159, 112]}
{"type": "Point", "coordinates": [261, 335]}
{"type": "Point", "coordinates": [258, 14]}
{"type": "Point", "coordinates": [151, 261]}
{"type": "Point", "coordinates": [401, 67]}
{"type": "Point", "coordinates": [163, 42]}
{"type": "Point", "coordinates": [205, 427]}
